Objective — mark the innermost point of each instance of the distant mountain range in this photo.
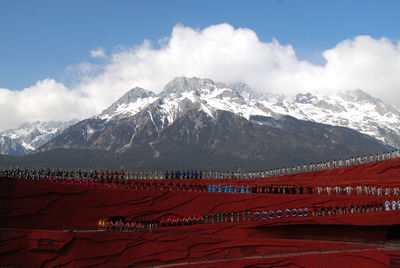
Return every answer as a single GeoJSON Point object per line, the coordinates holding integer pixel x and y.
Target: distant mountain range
{"type": "Point", "coordinates": [197, 123]}
{"type": "Point", "coordinates": [29, 136]}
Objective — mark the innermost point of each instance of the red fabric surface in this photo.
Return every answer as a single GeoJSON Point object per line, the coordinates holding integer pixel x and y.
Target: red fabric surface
{"type": "Point", "coordinates": [45, 248]}
{"type": "Point", "coordinates": [48, 224]}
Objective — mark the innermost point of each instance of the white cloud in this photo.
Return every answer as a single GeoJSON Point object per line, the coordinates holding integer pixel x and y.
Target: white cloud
{"type": "Point", "coordinates": [46, 100]}
{"type": "Point", "coordinates": [219, 52]}
{"type": "Point", "coordinates": [98, 53]}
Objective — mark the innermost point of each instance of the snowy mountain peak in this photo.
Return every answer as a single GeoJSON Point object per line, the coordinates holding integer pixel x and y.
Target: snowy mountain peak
{"type": "Point", "coordinates": [134, 94]}
{"type": "Point", "coordinates": [198, 88]}
{"type": "Point", "coordinates": [208, 96]}
{"type": "Point", "coordinates": [180, 85]}
{"type": "Point", "coordinates": [130, 103]}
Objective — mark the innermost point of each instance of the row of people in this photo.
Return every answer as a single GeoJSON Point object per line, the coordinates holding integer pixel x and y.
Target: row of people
{"type": "Point", "coordinates": [356, 208]}
{"type": "Point", "coordinates": [127, 226]}
{"type": "Point", "coordinates": [123, 225]}
{"type": "Point", "coordinates": [270, 189]}
{"type": "Point", "coordinates": [293, 189]}
{"type": "Point", "coordinates": [225, 217]}
{"type": "Point", "coordinates": [61, 173]}
{"type": "Point", "coordinates": [392, 205]}
{"type": "Point", "coordinates": [334, 164]}
{"type": "Point", "coordinates": [150, 225]}
{"type": "Point", "coordinates": [245, 216]}
{"type": "Point", "coordinates": [182, 174]}
{"type": "Point", "coordinates": [278, 214]}
{"type": "Point", "coordinates": [178, 220]}
{"type": "Point", "coordinates": [368, 190]}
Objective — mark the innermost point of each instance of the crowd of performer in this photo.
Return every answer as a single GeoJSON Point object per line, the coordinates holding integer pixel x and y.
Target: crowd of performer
{"type": "Point", "coordinates": [123, 225]}
{"type": "Point", "coordinates": [148, 225]}
{"type": "Point", "coordinates": [195, 182]}
{"type": "Point", "coordinates": [192, 174]}
{"type": "Point", "coordinates": [82, 178]}
{"type": "Point", "coordinates": [270, 189]}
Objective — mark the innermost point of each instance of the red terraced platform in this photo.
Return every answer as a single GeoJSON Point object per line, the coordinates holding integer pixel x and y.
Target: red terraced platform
{"type": "Point", "coordinates": [49, 224]}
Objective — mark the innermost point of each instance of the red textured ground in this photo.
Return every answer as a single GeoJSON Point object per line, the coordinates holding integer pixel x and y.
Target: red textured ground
{"type": "Point", "coordinates": [48, 224]}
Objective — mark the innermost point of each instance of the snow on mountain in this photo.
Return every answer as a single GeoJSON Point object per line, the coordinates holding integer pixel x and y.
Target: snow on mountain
{"type": "Point", "coordinates": [29, 136]}
{"type": "Point", "coordinates": [353, 109]}
{"type": "Point", "coordinates": [129, 104]}
{"type": "Point", "coordinates": [209, 96]}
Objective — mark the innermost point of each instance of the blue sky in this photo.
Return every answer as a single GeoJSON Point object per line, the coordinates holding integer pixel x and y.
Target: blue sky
{"type": "Point", "coordinates": [62, 60]}
{"type": "Point", "coordinates": [39, 39]}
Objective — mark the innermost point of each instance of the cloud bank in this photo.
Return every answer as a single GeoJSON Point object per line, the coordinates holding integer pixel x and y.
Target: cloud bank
{"type": "Point", "coordinates": [219, 52]}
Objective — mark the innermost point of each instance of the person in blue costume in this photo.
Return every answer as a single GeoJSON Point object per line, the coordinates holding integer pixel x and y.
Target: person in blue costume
{"type": "Point", "coordinates": [387, 206]}
{"type": "Point", "coordinates": [394, 205]}
{"type": "Point", "coordinates": [210, 188]}
{"type": "Point", "coordinates": [242, 190]}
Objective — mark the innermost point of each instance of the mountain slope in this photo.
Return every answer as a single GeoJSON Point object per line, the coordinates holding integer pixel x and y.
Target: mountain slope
{"type": "Point", "coordinates": [226, 142]}
{"type": "Point", "coordinates": [231, 142]}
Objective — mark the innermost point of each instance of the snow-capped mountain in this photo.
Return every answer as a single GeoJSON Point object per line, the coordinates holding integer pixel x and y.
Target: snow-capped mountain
{"type": "Point", "coordinates": [353, 109]}
{"type": "Point", "coordinates": [29, 136]}
{"type": "Point", "coordinates": [182, 94]}
{"type": "Point", "coordinates": [197, 121]}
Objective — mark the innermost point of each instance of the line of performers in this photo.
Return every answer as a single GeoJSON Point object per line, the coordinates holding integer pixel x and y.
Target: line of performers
{"type": "Point", "coordinates": [120, 224]}
{"type": "Point", "coordinates": [197, 186]}
{"type": "Point", "coordinates": [192, 174]}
